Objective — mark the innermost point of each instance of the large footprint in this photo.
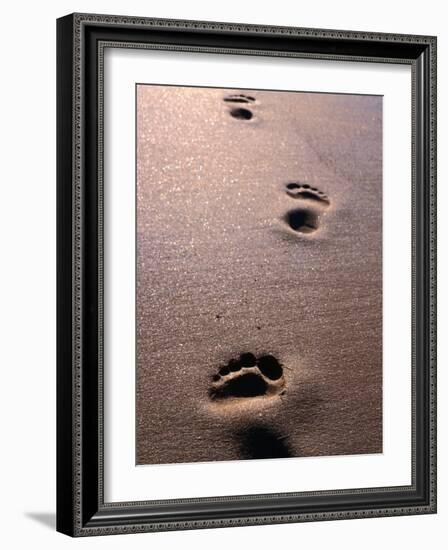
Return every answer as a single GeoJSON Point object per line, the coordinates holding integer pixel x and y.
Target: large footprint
{"type": "Point", "coordinates": [312, 205]}
{"type": "Point", "coordinates": [247, 377]}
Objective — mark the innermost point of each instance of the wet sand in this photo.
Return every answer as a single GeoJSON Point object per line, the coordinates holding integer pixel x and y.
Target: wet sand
{"type": "Point", "coordinates": [259, 277]}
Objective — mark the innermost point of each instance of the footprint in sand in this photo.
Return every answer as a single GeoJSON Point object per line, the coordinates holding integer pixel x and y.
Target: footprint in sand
{"type": "Point", "coordinates": [247, 377]}
{"type": "Point", "coordinates": [239, 98]}
{"type": "Point", "coordinates": [313, 203]}
{"type": "Point", "coordinates": [240, 113]}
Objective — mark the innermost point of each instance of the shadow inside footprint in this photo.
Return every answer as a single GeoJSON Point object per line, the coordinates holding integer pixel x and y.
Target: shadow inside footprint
{"type": "Point", "coordinates": [261, 441]}
{"type": "Point", "coordinates": [302, 220]}
{"type": "Point", "coordinates": [248, 384]}
{"type": "Point", "coordinates": [241, 114]}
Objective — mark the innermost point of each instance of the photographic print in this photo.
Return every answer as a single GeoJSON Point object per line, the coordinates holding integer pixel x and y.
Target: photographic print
{"type": "Point", "coordinates": [259, 274]}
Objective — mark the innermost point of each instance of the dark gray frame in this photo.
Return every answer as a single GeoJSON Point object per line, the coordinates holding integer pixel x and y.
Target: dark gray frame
{"type": "Point", "coordinates": [81, 39]}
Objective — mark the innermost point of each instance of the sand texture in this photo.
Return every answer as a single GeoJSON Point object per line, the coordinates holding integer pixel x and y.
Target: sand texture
{"type": "Point", "coordinates": [259, 277]}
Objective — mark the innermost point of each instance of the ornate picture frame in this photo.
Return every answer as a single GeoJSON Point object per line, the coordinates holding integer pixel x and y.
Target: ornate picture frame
{"type": "Point", "coordinates": [81, 506]}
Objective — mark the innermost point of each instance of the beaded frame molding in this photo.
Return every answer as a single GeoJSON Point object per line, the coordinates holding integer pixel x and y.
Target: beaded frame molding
{"type": "Point", "coordinates": [81, 509]}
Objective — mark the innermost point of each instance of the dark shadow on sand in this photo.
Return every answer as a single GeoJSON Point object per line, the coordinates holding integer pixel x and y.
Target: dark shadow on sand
{"type": "Point", "coordinates": [261, 441]}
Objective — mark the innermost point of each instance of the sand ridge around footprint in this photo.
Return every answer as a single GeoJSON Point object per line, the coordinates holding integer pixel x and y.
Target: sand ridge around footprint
{"type": "Point", "coordinates": [312, 204]}
{"type": "Point", "coordinates": [248, 377]}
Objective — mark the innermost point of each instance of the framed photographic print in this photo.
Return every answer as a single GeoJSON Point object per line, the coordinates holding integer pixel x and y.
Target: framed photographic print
{"type": "Point", "coordinates": [246, 274]}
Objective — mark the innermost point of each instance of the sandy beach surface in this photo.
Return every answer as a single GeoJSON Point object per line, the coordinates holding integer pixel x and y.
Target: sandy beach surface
{"type": "Point", "coordinates": [259, 277]}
